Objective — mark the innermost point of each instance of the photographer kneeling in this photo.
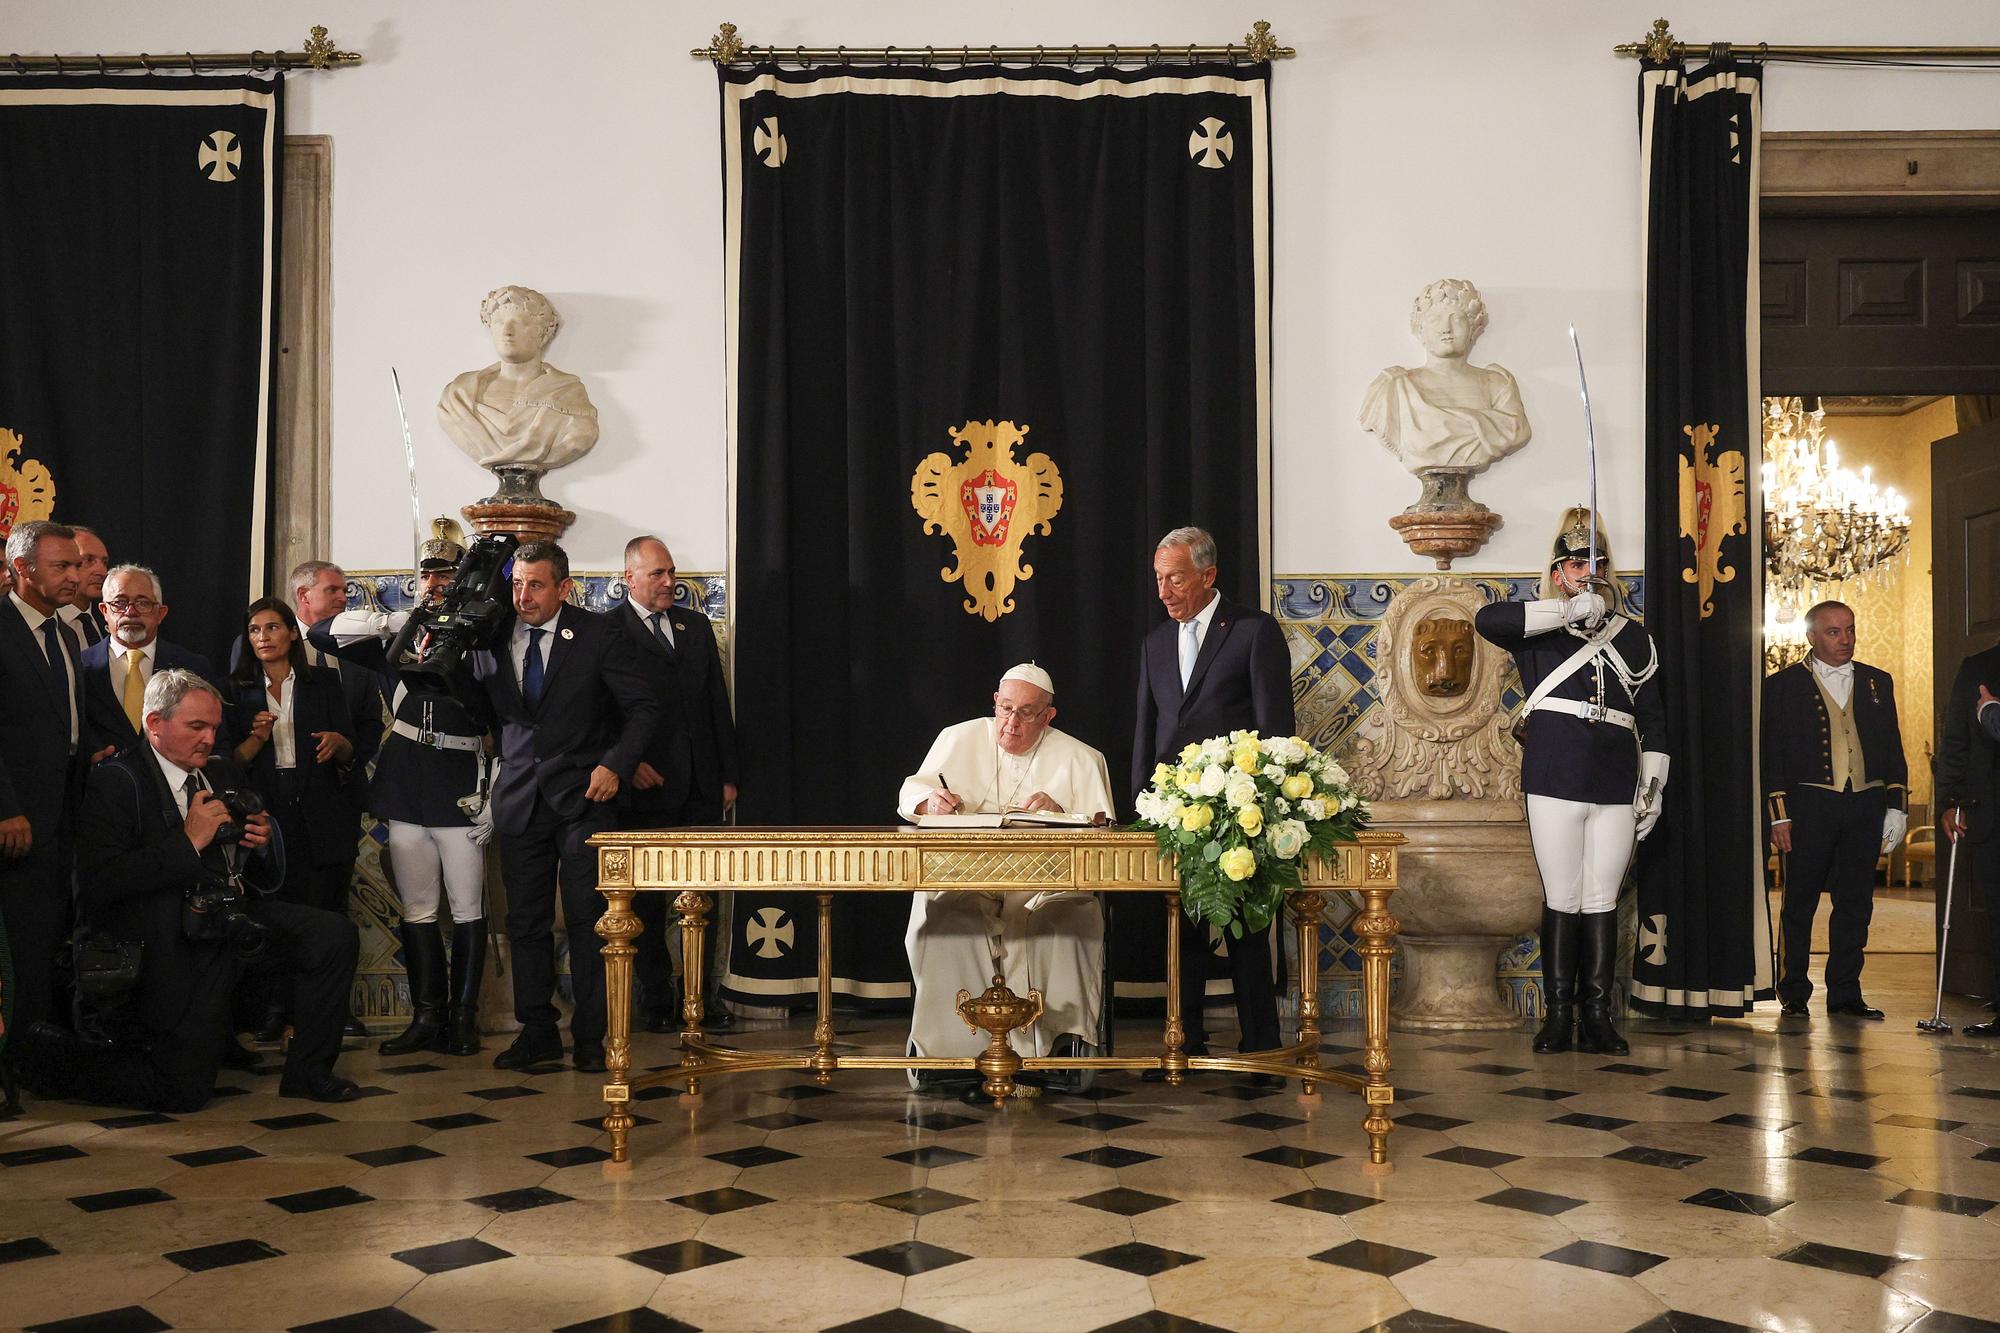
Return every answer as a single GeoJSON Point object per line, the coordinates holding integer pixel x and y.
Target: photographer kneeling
{"type": "Point", "coordinates": [163, 860]}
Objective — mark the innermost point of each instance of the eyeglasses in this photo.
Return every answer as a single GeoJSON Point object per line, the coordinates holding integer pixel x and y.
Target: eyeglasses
{"type": "Point", "coordinates": [144, 606]}
{"type": "Point", "coordinates": [1025, 716]}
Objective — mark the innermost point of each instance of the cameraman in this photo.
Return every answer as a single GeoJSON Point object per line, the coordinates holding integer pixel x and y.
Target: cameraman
{"type": "Point", "coordinates": [151, 832]}
{"type": "Point", "coordinates": [430, 786]}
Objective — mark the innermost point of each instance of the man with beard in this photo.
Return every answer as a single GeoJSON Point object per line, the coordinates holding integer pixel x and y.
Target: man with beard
{"type": "Point", "coordinates": [116, 668]}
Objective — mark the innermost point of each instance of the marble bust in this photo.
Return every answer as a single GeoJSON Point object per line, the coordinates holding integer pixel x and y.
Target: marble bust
{"type": "Point", "coordinates": [1446, 413]}
{"type": "Point", "coordinates": [520, 415]}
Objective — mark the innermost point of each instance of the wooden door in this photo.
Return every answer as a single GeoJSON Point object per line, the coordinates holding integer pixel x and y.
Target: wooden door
{"type": "Point", "coordinates": [1965, 532]}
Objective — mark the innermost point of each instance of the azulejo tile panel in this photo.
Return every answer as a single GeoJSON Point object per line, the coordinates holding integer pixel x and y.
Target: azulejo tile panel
{"type": "Point", "coordinates": [1330, 622]}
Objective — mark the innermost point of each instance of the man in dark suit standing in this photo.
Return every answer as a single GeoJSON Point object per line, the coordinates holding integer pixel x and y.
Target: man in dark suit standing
{"type": "Point", "coordinates": [81, 613]}
{"type": "Point", "coordinates": [689, 773]}
{"type": "Point", "coordinates": [117, 667]}
{"type": "Point", "coordinates": [150, 829]}
{"type": "Point", "coordinates": [1968, 791]}
{"type": "Point", "coordinates": [41, 728]}
{"type": "Point", "coordinates": [1837, 787]}
{"type": "Point", "coordinates": [1212, 668]}
{"type": "Point", "coordinates": [575, 715]}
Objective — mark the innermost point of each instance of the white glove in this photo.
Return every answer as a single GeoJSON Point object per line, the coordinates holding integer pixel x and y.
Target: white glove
{"type": "Point", "coordinates": [1895, 824]}
{"type": "Point", "coordinates": [481, 831]}
{"type": "Point", "coordinates": [1584, 608]}
{"type": "Point", "coordinates": [1651, 797]}
{"type": "Point", "coordinates": [356, 626]}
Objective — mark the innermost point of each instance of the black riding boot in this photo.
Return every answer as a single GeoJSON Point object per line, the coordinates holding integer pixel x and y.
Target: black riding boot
{"type": "Point", "coordinates": [1559, 957]}
{"type": "Point", "coordinates": [1596, 1034]}
{"type": "Point", "coordinates": [423, 959]}
{"type": "Point", "coordinates": [468, 964]}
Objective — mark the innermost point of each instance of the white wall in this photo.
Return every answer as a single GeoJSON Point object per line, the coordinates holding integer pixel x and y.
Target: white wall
{"type": "Point", "coordinates": [572, 148]}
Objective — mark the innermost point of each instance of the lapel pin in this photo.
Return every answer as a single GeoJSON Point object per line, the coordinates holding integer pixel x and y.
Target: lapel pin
{"type": "Point", "coordinates": [568, 633]}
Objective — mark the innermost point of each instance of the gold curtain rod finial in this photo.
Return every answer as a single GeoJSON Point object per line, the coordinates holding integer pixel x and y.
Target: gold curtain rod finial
{"type": "Point", "coordinates": [724, 48]}
{"type": "Point", "coordinates": [1260, 45]}
{"type": "Point", "coordinates": [1659, 43]}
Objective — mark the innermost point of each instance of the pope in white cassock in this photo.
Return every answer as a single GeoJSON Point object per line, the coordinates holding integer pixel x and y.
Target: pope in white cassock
{"type": "Point", "coordinates": [1052, 942]}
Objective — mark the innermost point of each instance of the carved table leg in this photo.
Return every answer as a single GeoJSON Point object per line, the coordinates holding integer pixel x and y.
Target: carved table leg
{"type": "Point", "coordinates": [1307, 908]}
{"type": "Point", "coordinates": [1377, 929]}
{"type": "Point", "coordinates": [824, 1062]}
{"type": "Point", "coordinates": [618, 927]}
{"type": "Point", "coordinates": [693, 907]}
{"type": "Point", "coordinates": [1174, 1060]}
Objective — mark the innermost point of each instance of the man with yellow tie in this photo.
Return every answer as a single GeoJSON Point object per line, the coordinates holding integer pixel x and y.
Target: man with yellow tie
{"type": "Point", "coordinates": [117, 667]}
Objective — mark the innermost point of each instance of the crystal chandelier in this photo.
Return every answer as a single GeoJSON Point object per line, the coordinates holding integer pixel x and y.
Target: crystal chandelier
{"type": "Point", "coordinates": [1824, 525]}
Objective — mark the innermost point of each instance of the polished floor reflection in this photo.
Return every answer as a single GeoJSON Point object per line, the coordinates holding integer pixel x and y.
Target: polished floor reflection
{"type": "Point", "coordinates": [1780, 1174]}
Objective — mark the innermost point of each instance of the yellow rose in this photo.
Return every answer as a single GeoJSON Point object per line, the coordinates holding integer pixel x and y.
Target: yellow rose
{"type": "Point", "coordinates": [1160, 774]}
{"type": "Point", "coordinates": [1298, 786]}
{"type": "Point", "coordinates": [1246, 758]}
{"type": "Point", "coordinates": [1190, 752]}
{"type": "Point", "coordinates": [1189, 778]}
{"type": "Point", "coordinates": [1238, 863]}
{"type": "Point", "coordinates": [1251, 819]}
{"type": "Point", "coordinates": [1197, 817]}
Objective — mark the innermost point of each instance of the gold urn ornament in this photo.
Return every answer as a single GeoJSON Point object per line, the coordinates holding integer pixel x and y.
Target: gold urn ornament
{"type": "Point", "coordinates": [997, 1012]}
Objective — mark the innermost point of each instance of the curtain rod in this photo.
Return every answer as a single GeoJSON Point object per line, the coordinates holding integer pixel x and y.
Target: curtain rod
{"type": "Point", "coordinates": [727, 48]}
{"type": "Point", "coordinates": [319, 53]}
{"type": "Point", "coordinates": [1659, 45]}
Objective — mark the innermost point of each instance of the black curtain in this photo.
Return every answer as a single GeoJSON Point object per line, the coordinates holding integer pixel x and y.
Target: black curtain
{"type": "Point", "coordinates": [1701, 906]}
{"type": "Point", "coordinates": [138, 251]}
{"type": "Point", "coordinates": [1081, 255]}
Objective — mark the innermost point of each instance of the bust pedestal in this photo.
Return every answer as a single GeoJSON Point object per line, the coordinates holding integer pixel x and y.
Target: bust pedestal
{"type": "Point", "coordinates": [519, 507]}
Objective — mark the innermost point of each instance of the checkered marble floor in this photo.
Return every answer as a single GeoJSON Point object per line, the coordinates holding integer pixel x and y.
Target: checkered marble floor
{"type": "Point", "coordinates": [1769, 1174]}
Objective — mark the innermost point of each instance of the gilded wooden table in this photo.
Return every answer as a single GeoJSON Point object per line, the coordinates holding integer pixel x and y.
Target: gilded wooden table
{"type": "Point", "coordinates": [827, 862]}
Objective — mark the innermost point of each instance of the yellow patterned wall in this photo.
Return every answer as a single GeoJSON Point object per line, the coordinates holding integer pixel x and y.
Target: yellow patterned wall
{"type": "Point", "coordinates": [1892, 615]}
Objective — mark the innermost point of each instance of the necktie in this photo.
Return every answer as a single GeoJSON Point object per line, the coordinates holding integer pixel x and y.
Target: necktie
{"type": "Point", "coordinates": [663, 631]}
{"type": "Point", "coordinates": [59, 667]}
{"type": "Point", "coordinates": [133, 697]}
{"type": "Point", "coordinates": [1190, 646]}
{"type": "Point", "coordinates": [92, 631]}
{"type": "Point", "coordinates": [531, 670]}
{"type": "Point", "coordinates": [188, 790]}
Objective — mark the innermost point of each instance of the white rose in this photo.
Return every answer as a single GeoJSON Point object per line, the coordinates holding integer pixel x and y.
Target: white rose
{"type": "Point", "coordinates": [1285, 750]}
{"type": "Point", "coordinates": [1349, 801]}
{"type": "Point", "coordinates": [1313, 808]}
{"type": "Point", "coordinates": [1175, 808]}
{"type": "Point", "coordinates": [1213, 779]}
{"type": "Point", "coordinates": [1240, 790]}
{"type": "Point", "coordinates": [1148, 806]}
{"type": "Point", "coordinates": [1288, 839]}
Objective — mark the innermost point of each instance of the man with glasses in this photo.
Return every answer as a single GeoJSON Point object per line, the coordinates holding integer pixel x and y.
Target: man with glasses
{"type": "Point", "coordinates": [116, 668]}
{"type": "Point", "coordinates": [1013, 760]}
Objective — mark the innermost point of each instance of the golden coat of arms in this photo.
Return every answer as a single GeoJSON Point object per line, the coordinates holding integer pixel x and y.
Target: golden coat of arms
{"type": "Point", "coordinates": [1713, 507]}
{"type": "Point", "coordinates": [989, 503]}
{"type": "Point", "coordinates": [27, 492]}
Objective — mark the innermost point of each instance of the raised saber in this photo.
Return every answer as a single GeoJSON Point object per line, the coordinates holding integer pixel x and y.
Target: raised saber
{"type": "Point", "coordinates": [1589, 444]}
{"type": "Point", "coordinates": [417, 508]}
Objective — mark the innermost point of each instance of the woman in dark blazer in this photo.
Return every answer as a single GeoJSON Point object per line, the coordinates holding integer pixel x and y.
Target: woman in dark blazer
{"type": "Point", "coordinates": [289, 727]}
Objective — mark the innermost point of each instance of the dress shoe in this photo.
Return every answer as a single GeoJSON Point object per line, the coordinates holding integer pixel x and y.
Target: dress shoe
{"type": "Point", "coordinates": [353, 1027]}
{"type": "Point", "coordinates": [1990, 1028]}
{"type": "Point", "coordinates": [535, 1046]}
{"type": "Point", "coordinates": [271, 1030]}
{"type": "Point", "coordinates": [1853, 1009]}
{"type": "Point", "coordinates": [324, 1086]}
{"type": "Point", "coordinates": [662, 1020]}
{"type": "Point", "coordinates": [588, 1059]}
{"type": "Point", "coordinates": [1794, 1009]}
{"type": "Point", "coordinates": [46, 1058]}
{"type": "Point", "coordinates": [717, 1019]}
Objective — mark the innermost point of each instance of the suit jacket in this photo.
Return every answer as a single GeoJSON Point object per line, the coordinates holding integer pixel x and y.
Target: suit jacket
{"type": "Point", "coordinates": [1968, 763]}
{"type": "Point", "coordinates": [1797, 739]}
{"type": "Point", "coordinates": [597, 707]}
{"type": "Point", "coordinates": [317, 805]}
{"type": "Point", "coordinates": [1242, 681]}
{"type": "Point", "coordinates": [670, 751]}
{"type": "Point", "coordinates": [134, 866]}
{"type": "Point", "coordinates": [358, 686]}
{"type": "Point", "coordinates": [36, 772]}
{"type": "Point", "coordinates": [104, 717]}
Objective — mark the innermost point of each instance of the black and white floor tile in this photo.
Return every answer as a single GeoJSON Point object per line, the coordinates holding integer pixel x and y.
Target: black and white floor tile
{"type": "Point", "coordinates": [1771, 1174]}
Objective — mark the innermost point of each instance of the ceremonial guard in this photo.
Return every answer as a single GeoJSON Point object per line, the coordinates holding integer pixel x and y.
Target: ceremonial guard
{"type": "Point", "coordinates": [431, 783]}
{"type": "Point", "coordinates": [1836, 788]}
{"type": "Point", "coordinates": [1591, 769]}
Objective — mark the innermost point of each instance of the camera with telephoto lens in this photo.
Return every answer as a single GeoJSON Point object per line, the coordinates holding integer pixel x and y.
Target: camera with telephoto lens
{"type": "Point", "coordinates": [212, 912]}
{"type": "Point", "coordinates": [435, 639]}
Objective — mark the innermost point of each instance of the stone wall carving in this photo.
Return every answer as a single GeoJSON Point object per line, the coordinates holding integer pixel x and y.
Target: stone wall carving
{"type": "Point", "coordinates": [1434, 741]}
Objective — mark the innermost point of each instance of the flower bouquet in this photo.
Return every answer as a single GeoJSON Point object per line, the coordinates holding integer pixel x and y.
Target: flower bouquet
{"type": "Point", "coordinates": [1242, 813]}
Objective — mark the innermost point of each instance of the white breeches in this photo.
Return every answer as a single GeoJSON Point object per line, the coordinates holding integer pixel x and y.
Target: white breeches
{"type": "Point", "coordinates": [432, 862]}
{"type": "Point", "coordinates": [961, 940]}
{"type": "Point", "coordinates": [1582, 851]}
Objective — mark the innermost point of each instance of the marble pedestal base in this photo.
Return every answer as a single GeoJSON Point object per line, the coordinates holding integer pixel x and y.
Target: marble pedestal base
{"type": "Point", "coordinates": [528, 522]}
{"type": "Point", "coordinates": [1448, 986]}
